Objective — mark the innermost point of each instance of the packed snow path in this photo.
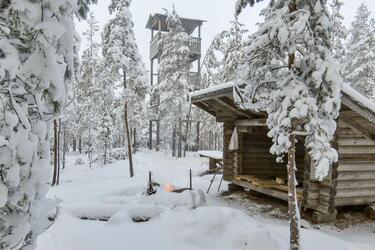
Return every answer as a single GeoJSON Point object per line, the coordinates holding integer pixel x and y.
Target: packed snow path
{"type": "Point", "coordinates": [175, 221]}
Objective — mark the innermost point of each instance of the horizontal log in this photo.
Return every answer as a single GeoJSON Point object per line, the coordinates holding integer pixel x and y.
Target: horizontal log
{"type": "Point", "coordinates": [362, 149]}
{"type": "Point", "coordinates": [352, 166]}
{"type": "Point", "coordinates": [355, 192]}
{"type": "Point", "coordinates": [251, 122]}
{"type": "Point", "coordinates": [352, 141]}
{"type": "Point", "coordinates": [344, 184]}
{"type": "Point", "coordinates": [312, 195]}
{"type": "Point", "coordinates": [312, 204]}
{"type": "Point", "coordinates": [323, 208]}
{"type": "Point", "coordinates": [357, 157]}
{"type": "Point", "coordinates": [365, 175]}
{"type": "Point", "coordinates": [354, 201]}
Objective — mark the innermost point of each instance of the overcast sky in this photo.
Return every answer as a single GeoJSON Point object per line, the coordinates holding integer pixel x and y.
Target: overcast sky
{"type": "Point", "coordinates": [217, 13]}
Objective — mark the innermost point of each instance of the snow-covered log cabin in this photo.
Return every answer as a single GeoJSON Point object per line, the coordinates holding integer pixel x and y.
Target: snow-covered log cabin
{"type": "Point", "coordinates": [351, 181]}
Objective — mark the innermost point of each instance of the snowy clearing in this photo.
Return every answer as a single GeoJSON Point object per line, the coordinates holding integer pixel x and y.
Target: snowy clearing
{"type": "Point", "coordinates": [171, 222]}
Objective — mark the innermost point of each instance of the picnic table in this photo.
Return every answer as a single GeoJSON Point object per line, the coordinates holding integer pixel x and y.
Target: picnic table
{"type": "Point", "coordinates": [215, 158]}
{"type": "Point", "coordinates": [215, 165]}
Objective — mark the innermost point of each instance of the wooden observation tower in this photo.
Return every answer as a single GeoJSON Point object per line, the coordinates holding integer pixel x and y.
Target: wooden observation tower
{"type": "Point", "coordinates": [157, 23]}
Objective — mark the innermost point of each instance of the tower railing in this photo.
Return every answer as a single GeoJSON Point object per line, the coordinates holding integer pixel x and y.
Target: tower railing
{"type": "Point", "coordinates": [194, 43]}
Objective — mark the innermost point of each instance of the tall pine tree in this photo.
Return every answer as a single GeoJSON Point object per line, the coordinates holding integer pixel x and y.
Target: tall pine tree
{"type": "Point", "coordinates": [173, 88]}
{"type": "Point", "coordinates": [121, 54]}
{"type": "Point", "coordinates": [292, 76]}
{"type": "Point", "coordinates": [339, 32]}
{"type": "Point", "coordinates": [360, 60]}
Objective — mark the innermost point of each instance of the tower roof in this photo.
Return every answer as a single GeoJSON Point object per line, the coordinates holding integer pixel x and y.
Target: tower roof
{"type": "Point", "coordinates": [189, 24]}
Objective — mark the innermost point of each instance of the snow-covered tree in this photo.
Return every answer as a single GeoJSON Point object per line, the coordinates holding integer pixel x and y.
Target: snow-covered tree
{"type": "Point", "coordinates": [104, 104]}
{"type": "Point", "coordinates": [36, 54]}
{"type": "Point", "coordinates": [292, 76]}
{"type": "Point", "coordinates": [360, 60]}
{"type": "Point", "coordinates": [88, 88]}
{"type": "Point", "coordinates": [219, 65]}
{"type": "Point", "coordinates": [339, 32]}
{"type": "Point", "coordinates": [173, 88]}
{"type": "Point", "coordinates": [224, 54]}
{"type": "Point", "coordinates": [121, 53]}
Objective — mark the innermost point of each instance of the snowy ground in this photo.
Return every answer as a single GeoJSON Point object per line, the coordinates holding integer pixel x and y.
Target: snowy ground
{"type": "Point", "coordinates": [176, 221]}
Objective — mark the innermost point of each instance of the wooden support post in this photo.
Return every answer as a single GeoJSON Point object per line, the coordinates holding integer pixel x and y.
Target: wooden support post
{"type": "Point", "coordinates": [191, 180]}
{"type": "Point", "coordinates": [157, 135]}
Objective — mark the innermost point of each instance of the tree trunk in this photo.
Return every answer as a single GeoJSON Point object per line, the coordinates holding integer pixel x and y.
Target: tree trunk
{"type": "Point", "coordinates": [131, 170]}
{"type": "Point", "coordinates": [135, 140]}
{"type": "Point", "coordinates": [150, 136]}
{"type": "Point", "coordinates": [74, 144]}
{"type": "Point", "coordinates": [197, 140]}
{"type": "Point", "coordinates": [127, 129]}
{"type": "Point", "coordinates": [58, 152]}
{"type": "Point", "coordinates": [80, 145]}
{"type": "Point", "coordinates": [292, 195]}
{"type": "Point", "coordinates": [179, 153]}
{"type": "Point", "coordinates": [294, 212]}
{"type": "Point", "coordinates": [187, 130]}
{"type": "Point", "coordinates": [174, 141]}
{"type": "Point", "coordinates": [64, 145]}
{"type": "Point", "coordinates": [54, 178]}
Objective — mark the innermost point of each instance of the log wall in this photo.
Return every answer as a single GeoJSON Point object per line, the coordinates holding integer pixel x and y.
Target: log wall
{"type": "Point", "coordinates": [227, 154]}
{"type": "Point", "coordinates": [356, 169]}
{"type": "Point", "coordinates": [258, 161]}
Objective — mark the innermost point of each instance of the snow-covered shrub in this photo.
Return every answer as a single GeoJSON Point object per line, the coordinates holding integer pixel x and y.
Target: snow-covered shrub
{"type": "Point", "coordinates": [80, 161]}
{"type": "Point", "coordinates": [119, 154]}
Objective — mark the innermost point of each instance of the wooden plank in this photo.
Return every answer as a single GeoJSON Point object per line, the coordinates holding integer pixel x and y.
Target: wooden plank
{"type": "Point", "coordinates": [251, 122]}
{"type": "Point", "coordinates": [267, 191]}
{"type": "Point", "coordinates": [223, 105]}
{"type": "Point", "coordinates": [258, 182]}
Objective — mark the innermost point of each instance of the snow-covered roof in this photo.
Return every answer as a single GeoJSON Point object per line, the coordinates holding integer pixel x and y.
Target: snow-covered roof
{"type": "Point", "coordinates": [347, 90]}
{"type": "Point", "coordinates": [212, 89]}
{"type": "Point", "coordinates": [358, 97]}
{"type": "Point", "coordinates": [189, 24]}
